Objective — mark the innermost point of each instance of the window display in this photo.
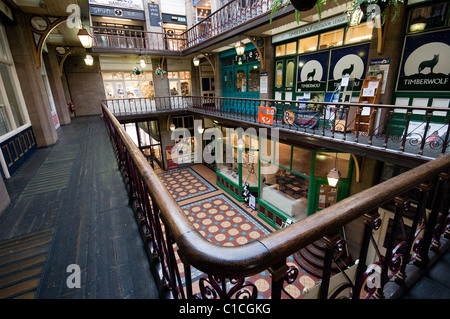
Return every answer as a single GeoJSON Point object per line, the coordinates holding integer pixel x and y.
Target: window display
{"type": "Point", "coordinates": [121, 85]}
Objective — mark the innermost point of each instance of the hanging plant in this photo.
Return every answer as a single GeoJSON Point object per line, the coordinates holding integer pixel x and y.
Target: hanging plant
{"type": "Point", "coordinates": [137, 71]}
{"type": "Point", "coordinates": [367, 6]}
{"type": "Point", "coordinates": [299, 6]}
{"type": "Point", "coordinates": [159, 70]}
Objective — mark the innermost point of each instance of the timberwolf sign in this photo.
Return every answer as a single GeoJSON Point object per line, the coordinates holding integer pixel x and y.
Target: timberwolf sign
{"type": "Point", "coordinates": [426, 66]}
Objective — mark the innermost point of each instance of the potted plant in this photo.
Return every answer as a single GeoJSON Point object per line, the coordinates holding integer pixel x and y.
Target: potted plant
{"type": "Point", "coordinates": [137, 71]}
{"type": "Point", "coordinates": [160, 71]}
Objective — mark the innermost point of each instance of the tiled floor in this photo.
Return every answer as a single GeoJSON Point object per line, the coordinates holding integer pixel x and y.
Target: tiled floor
{"type": "Point", "coordinates": [224, 221]}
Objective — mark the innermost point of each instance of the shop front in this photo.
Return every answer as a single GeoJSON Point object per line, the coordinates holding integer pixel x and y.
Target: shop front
{"type": "Point", "coordinates": [310, 61]}
{"type": "Point", "coordinates": [286, 181]}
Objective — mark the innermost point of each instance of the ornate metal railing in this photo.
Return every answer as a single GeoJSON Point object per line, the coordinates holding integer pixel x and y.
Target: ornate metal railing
{"type": "Point", "coordinates": [422, 192]}
{"type": "Point", "coordinates": [418, 131]}
{"type": "Point", "coordinates": [127, 39]}
{"type": "Point", "coordinates": [226, 18]}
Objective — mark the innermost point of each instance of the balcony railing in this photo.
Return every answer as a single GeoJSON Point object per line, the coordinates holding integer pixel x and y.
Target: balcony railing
{"type": "Point", "coordinates": [411, 130]}
{"type": "Point", "coordinates": [224, 19]}
{"type": "Point", "coordinates": [167, 233]}
{"type": "Point", "coordinates": [144, 41]}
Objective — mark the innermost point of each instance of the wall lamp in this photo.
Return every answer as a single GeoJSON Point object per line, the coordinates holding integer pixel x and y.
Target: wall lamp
{"type": "Point", "coordinates": [240, 47]}
{"type": "Point", "coordinates": [85, 38]}
{"type": "Point", "coordinates": [196, 61]}
{"type": "Point", "coordinates": [89, 60]}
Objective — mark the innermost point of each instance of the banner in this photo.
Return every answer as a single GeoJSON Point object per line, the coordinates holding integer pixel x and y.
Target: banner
{"type": "Point", "coordinates": [302, 119]}
{"type": "Point", "coordinates": [265, 114]}
{"type": "Point", "coordinates": [425, 65]}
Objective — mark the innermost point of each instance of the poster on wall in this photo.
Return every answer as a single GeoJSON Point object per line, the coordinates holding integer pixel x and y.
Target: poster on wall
{"type": "Point", "coordinates": [425, 65]}
{"type": "Point", "coordinates": [348, 61]}
{"type": "Point", "coordinates": [312, 72]}
{"type": "Point", "coordinates": [302, 119]}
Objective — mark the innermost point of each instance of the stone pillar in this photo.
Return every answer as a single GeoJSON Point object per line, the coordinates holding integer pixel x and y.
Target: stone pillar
{"type": "Point", "coordinates": [32, 83]}
{"type": "Point", "coordinates": [56, 85]}
{"type": "Point", "coordinates": [394, 32]}
{"type": "Point", "coordinates": [161, 82]}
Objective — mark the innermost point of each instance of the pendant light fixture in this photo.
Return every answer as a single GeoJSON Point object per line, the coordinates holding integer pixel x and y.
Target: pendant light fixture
{"type": "Point", "coordinates": [142, 62]}
{"type": "Point", "coordinates": [89, 60]}
{"type": "Point", "coordinates": [334, 175]}
{"type": "Point", "coordinates": [240, 47]}
{"type": "Point", "coordinates": [196, 61]}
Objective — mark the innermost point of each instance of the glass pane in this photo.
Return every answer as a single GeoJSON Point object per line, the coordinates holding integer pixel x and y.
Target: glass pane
{"type": "Point", "coordinates": [301, 161]}
{"type": "Point", "coordinates": [289, 74]}
{"type": "Point", "coordinates": [174, 89]}
{"type": "Point", "coordinates": [358, 33]}
{"type": "Point", "coordinates": [241, 81]}
{"type": "Point", "coordinates": [109, 88]}
{"type": "Point", "coordinates": [5, 126]}
{"type": "Point", "coordinates": [11, 94]}
{"type": "Point", "coordinates": [326, 161]}
{"type": "Point", "coordinates": [291, 48]}
{"type": "Point", "coordinates": [184, 88]}
{"type": "Point", "coordinates": [427, 17]}
{"type": "Point", "coordinates": [107, 75]}
{"type": "Point", "coordinates": [118, 76]}
{"type": "Point", "coordinates": [308, 44]}
{"type": "Point", "coordinates": [284, 158]}
{"type": "Point", "coordinates": [332, 38]}
{"type": "Point", "coordinates": [280, 50]}
{"type": "Point", "coordinates": [253, 80]}
{"type": "Point", "coordinates": [279, 74]}
{"type": "Point", "coordinates": [250, 168]}
{"type": "Point", "coordinates": [132, 89]}
{"type": "Point", "coordinates": [147, 89]}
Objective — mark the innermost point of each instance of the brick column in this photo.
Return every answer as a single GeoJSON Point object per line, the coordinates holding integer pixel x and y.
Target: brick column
{"type": "Point", "coordinates": [32, 83]}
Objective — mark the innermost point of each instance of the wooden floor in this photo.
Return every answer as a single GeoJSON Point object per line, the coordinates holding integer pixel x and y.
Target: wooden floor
{"type": "Point", "coordinates": [70, 206]}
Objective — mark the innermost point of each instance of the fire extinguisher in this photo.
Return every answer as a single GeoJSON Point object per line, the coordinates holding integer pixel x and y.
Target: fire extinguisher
{"type": "Point", "coordinates": [71, 107]}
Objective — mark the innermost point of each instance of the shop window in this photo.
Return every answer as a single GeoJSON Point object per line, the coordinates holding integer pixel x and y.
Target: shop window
{"type": "Point", "coordinates": [119, 85]}
{"type": "Point", "coordinates": [284, 190]}
{"type": "Point", "coordinates": [331, 39]}
{"type": "Point", "coordinates": [286, 49]}
{"type": "Point", "coordinates": [241, 81]}
{"type": "Point", "coordinates": [301, 161]}
{"type": "Point", "coordinates": [429, 17]}
{"type": "Point", "coordinates": [326, 161]}
{"type": "Point", "coordinates": [358, 33]}
{"type": "Point", "coordinates": [253, 79]}
{"type": "Point", "coordinates": [179, 83]}
{"type": "Point", "coordinates": [308, 44]}
{"type": "Point", "coordinates": [290, 74]}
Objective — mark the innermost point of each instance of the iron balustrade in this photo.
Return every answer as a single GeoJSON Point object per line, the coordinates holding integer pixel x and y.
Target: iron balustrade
{"type": "Point", "coordinates": [167, 232]}
{"type": "Point", "coordinates": [409, 130]}
{"type": "Point", "coordinates": [169, 43]}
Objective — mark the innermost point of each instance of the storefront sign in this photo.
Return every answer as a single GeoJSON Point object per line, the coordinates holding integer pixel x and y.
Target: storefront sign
{"type": "Point", "coordinates": [117, 13]}
{"type": "Point", "coordinates": [128, 4]}
{"type": "Point", "coordinates": [153, 12]}
{"type": "Point", "coordinates": [312, 72]}
{"type": "Point", "coordinates": [265, 114]}
{"type": "Point", "coordinates": [302, 119]}
{"type": "Point", "coordinates": [348, 61]}
{"type": "Point", "coordinates": [426, 66]}
{"type": "Point", "coordinates": [172, 18]}
{"type": "Point", "coordinates": [311, 28]}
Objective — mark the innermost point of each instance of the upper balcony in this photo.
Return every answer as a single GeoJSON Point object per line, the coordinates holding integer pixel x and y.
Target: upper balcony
{"type": "Point", "coordinates": [229, 21]}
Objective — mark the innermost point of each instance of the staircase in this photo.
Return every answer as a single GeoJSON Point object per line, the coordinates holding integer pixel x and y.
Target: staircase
{"type": "Point", "coordinates": [311, 259]}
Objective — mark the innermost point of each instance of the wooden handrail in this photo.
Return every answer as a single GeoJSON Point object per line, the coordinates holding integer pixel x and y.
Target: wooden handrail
{"type": "Point", "coordinates": [273, 249]}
